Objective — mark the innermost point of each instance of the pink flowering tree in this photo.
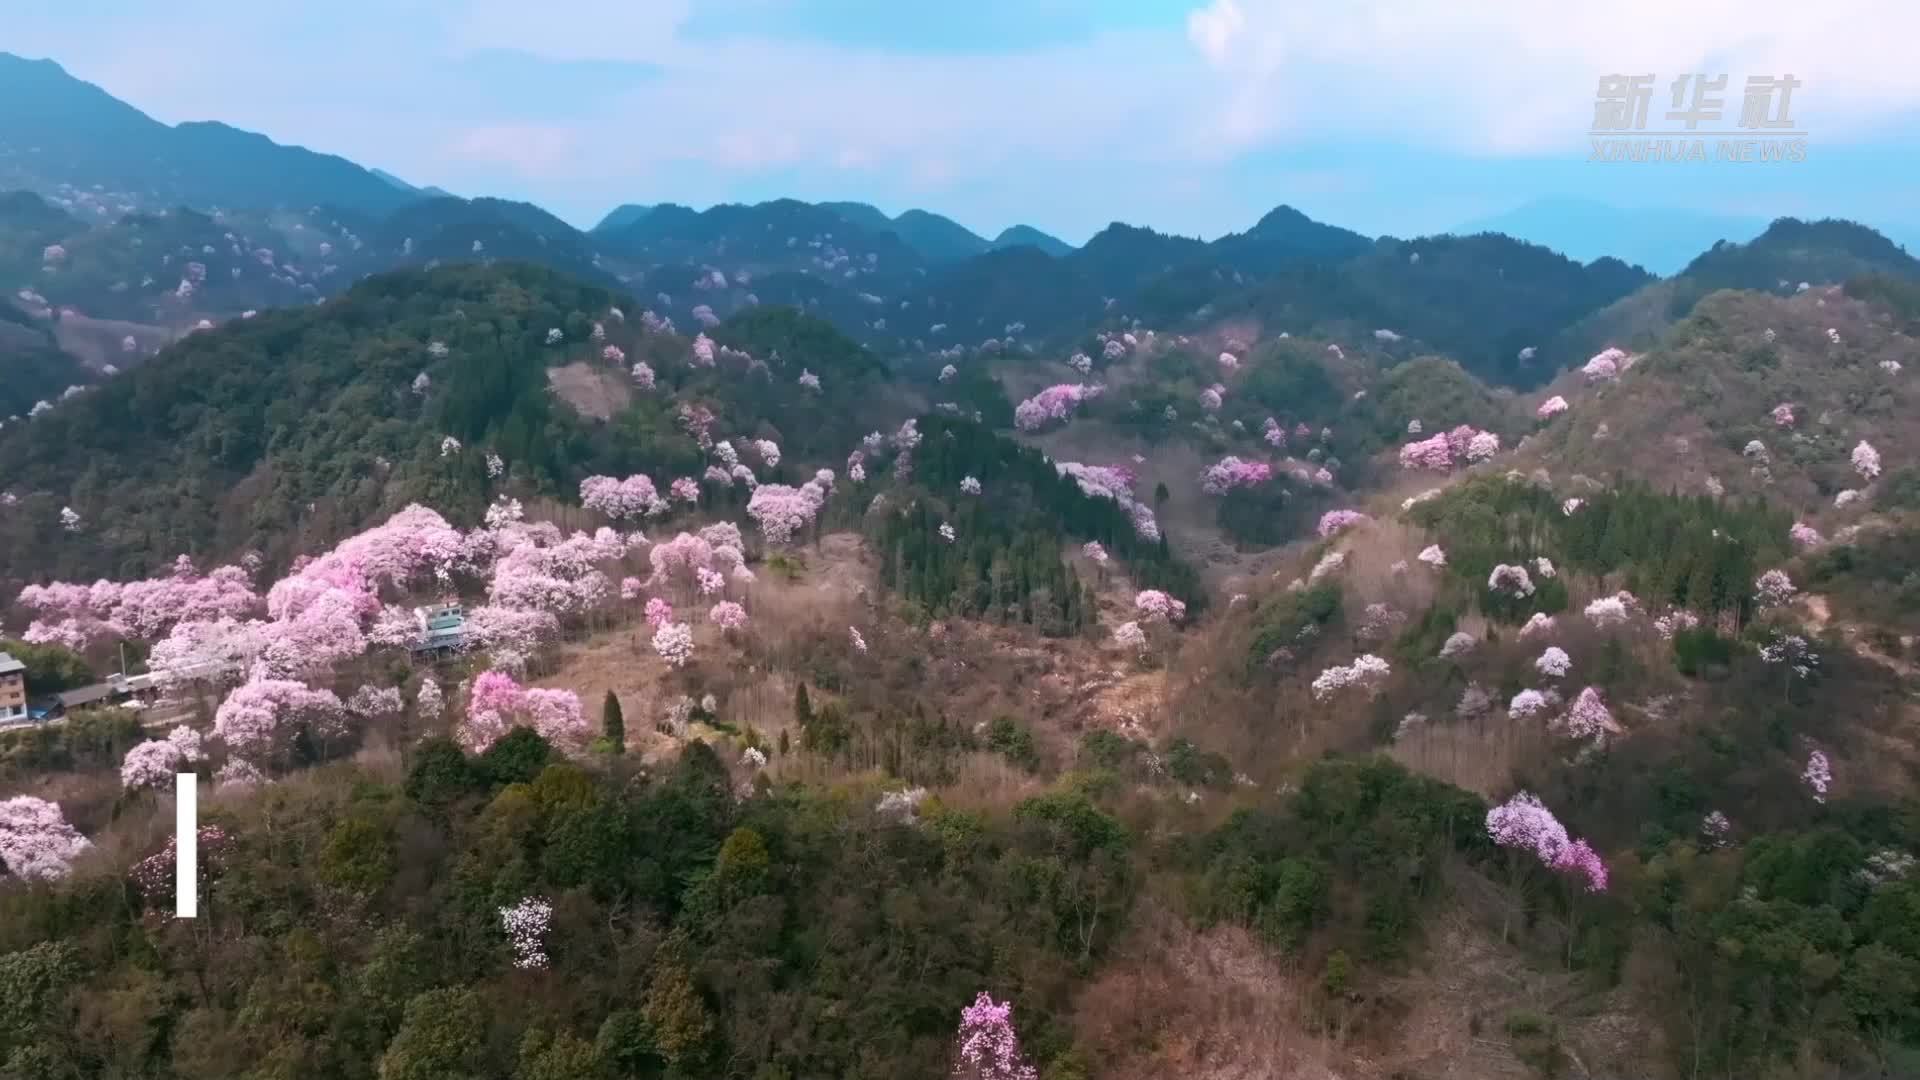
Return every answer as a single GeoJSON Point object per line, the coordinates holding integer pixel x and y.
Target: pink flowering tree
{"type": "Point", "coordinates": [987, 1047]}
{"type": "Point", "coordinates": [1589, 719]}
{"type": "Point", "coordinates": [622, 499]}
{"type": "Point", "coordinates": [525, 925]}
{"type": "Point", "coordinates": [1604, 366]}
{"type": "Point", "coordinates": [1773, 588]}
{"type": "Point", "coordinates": [1523, 824]}
{"type": "Point", "coordinates": [674, 643]}
{"type": "Point", "coordinates": [36, 843]}
{"type": "Point", "coordinates": [154, 763]}
{"type": "Point", "coordinates": [1231, 472]}
{"type": "Point", "coordinates": [782, 511]}
{"type": "Point", "coordinates": [1433, 453]}
{"type": "Point", "coordinates": [1156, 606]}
{"type": "Point", "coordinates": [1551, 407]}
{"type": "Point", "coordinates": [1866, 460]}
{"type": "Point", "coordinates": [497, 704]}
{"type": "Point", "coordinates": [1055, 403]}
{"type": "Point", "coordinates": [1817, 776]}
{"type": "Point", "coordinates": [260, 717]}
{"type": "Point", "coordinates": [1368, 673]}
{"type": "Point", "coordinates": [728, 616]}
{"type": "Point", "coordinates": [1334, 522]}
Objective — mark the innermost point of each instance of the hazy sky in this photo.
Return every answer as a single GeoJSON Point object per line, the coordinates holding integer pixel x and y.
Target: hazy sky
{"type": "Point", "coordinates": [1399, 116]}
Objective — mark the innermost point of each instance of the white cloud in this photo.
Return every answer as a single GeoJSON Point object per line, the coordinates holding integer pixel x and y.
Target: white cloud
{"type": "Point", "coordinates": [532, 150]}
{"type": "Point", "coordinates": [1507, 76]}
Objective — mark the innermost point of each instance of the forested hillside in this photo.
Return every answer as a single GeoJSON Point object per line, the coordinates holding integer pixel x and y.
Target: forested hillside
{"type": "Point", "coordinates": [295, 426]}
{"type": "Point", "coordinates": [786, 640]}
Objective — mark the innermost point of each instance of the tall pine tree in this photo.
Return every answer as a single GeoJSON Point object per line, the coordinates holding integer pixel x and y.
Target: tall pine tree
{"type": "Point", "coordinates": [613, 724]}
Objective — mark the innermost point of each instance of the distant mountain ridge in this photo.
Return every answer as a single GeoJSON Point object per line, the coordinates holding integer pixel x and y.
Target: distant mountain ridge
{"type": "Point", "coordinates": [935, 237]}
{"type": "Point", "coordinates": [58, 132]}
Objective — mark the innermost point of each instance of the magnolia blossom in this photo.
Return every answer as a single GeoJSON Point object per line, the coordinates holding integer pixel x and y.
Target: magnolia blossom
{"type": "Point", "coordinates": [1129, 635]}
{"type": "Point", "coordinates": [809, 380]}
{"type": "Point", "coordinates": [1458, 644]}
{"type": "Point", "coordinates": [1512, 580]}
{"type": "Point", "coordinates": [783, 511]}
{"type": "Point", "coordinates": [1211, 399]}
{"type": "Point", "coordinates": [1230, 472]}
{"type": "Point", "coordinates": [643, 375]}
{"type": "Point", "coordinates": [1433, 556]}
{"type": "Point", "coordinates": [768, 450]}
{"type": "Point", "coordinates": [449, 446]}
{"type": "Point", "coordinates": [430, 703]}
{"type": "Point", "coordinates": [1605, 365]}
{"type": "Point", "coordinates": [375, 702]}
{"type": "Point", "coordinates": [1157, 606]}
{"type": "Point", "coordinates": [621, 499]}
{"type": "Point", "coordinates": [421, 384]}
{"type": "Point", "coordinates": [686, 489]}
{"type": "Point", "coordinates": [1528, 704]}
{"type": "Point", "coordinates": [69, 519]}
{"type": "Point", "coordinates": [1551, 407]}
{"type": "Point", "coordinates": [1482, 446]}
{"type": "Point", "coordinates": [1714, 829]}
{"type": "Point", "coordinates": [853, 637]}
{"type": "Point", "coordinates": [1538, 623]}
{"type": "Point", "coordinates": [1329, 563]}
{"type": "Point", "coordinates": [1589, 717]}
{"type": "Point", "coordinates": [658, 612]}
{"type": "Point", "coordinates": [150, 764]}
{"type": "Point", "coordinates": [674, 642]}
{"type": "Point", "coordinates": [1434, 453]}
{"type": "Point", "coordinates": [1544, 567]}
{"type": "Point", "coordinates": [36, 843]}
{"type": "Point", "coordinates": [1368, 672]}
{"type": "Point", "coordinates": [1674, 622]}
{"type": "Point", "coordinates": [1092, 550]}
{"type": "Point", "coordinates": [1525, 824]}
{"type": "Point", "coordinates": [1608, 611]}
{"type": "Point", "coordinates": [969, 485]}
{"type": "Point", "coordinates": [1567, 508]}
{"type": "Point", "coordinates": [1773, 589]}
{"type": "Point", "coordinates": [1274, 434]}
{"type": "Point", "coordinates": [525, 924]}
{"type": "Point", "coordinates": [1804, 535]}
{"type": "Point", "coordinates": [1818, 776]}
{"type": "Point", "coordinates": [1052, 404]}
{"type": "Point", "coordinates": [989, 1049]}
{"type": "Point", "coordinates": [728, 615]}
{"type": "Point", "coordinates": [947, 533]}
{"type": "Point", "coordinates": [1554, 662]}
{"type": "Point", "coordinates": [1866, 460]}
{"type": "Point", "coordinates": [703, 350]}
{"type": "Point", "coordinates": [259, 714]}
{"type": "Point", "coordinates": [1335, 521]}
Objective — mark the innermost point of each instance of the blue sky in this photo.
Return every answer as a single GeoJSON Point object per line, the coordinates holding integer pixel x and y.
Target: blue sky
{"type": "Point", "coordinates": [1192, 116]}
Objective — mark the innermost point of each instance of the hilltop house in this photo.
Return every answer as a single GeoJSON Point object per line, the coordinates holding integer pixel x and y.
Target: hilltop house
{"type": "Point", "coordinates": [443, 628]}
{"type": "Point", "coordinates": [13, 689]}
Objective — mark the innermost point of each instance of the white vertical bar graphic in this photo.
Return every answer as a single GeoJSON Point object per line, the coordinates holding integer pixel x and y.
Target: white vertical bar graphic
{"type": "Point", "coordinates": [186, 845]}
